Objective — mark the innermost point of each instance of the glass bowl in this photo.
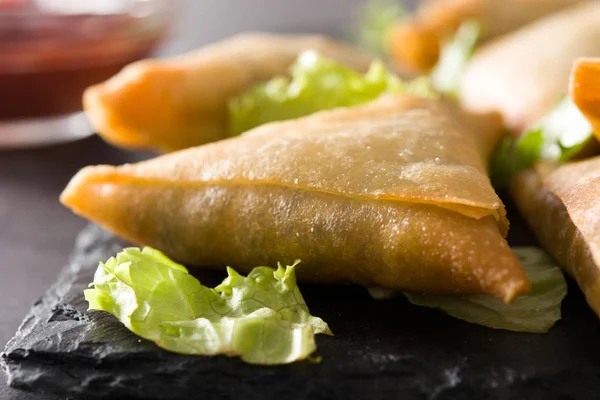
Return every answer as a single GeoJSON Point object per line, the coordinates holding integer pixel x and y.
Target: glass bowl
{"type": "Point", "coordinates": [52, 50]}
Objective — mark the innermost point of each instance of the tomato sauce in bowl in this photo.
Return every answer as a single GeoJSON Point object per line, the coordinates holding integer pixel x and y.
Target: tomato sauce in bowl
{"type": "Point", "coordinates": [52, 50]}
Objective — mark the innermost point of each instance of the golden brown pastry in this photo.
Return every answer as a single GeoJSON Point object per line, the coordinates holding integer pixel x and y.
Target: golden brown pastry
{"type": "Point", "coordinates": [487, 128]}
{"type": "Point", "coordinates": [562, 206]}
{"type": "Point", "coordinates": [416, 42]}
{"type": "Point", "coordinates": [394, 194]}
{"type": "Point", "coordinates": [181, 102]}
{"type": "Point", "coordinates": [584, 90]}
{"type": "Point", "coordinates": [562, 202]}
{"type": "Point", "coordinates": [525, 74]}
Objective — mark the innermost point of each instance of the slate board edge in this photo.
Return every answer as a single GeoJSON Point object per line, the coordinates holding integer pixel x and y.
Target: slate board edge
{"type": "Point", "coordinates": [586, 382]}
{"type": "Point", "coordinates": [89, 239]}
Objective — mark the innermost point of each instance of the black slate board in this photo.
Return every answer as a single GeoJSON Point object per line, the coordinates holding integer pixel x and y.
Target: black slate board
{"type": "Point", "coordinates": [382, 349]}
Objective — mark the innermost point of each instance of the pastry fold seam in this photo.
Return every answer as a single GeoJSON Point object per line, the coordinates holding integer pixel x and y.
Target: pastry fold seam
{"type": "Point", "coordinates": [288, 223]}
{"type": "Point", "coordinates": [460, 208]}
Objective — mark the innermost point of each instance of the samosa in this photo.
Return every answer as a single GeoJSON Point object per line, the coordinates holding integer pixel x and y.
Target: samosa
{"type": "Point", "coordinates": [172, 104]}
{"type": "Point", "coordinates": [393, 194]}
{"type": "Point", "coordinates": [584, 89]}
{"type": "Point", "coordinates": [524, 74]}
{"type": "Point", "coordinates": [561, 203]}
{"type": "Point", "coordinates": [416, 43]}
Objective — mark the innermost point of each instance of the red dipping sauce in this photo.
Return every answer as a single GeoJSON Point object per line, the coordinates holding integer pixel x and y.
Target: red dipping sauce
{"type": "Point", "coordinates": [52, 50]}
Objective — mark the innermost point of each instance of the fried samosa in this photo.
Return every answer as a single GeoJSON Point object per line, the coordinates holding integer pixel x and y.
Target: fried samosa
{"type": "Point", "coordinates": [172, 104]}
{"type": "Point", "coordinates": [584, 89]}
{"type": "Point", "coordinates": [523, 75]}
{"type": "Point", "coordinates": [561, 203]}
{"type": "Point", "coordinates": [562, 206]}
{"type": "Point", "coordinates": [416, 42]}
{"type": "Point", "coordinates": [391, 194]}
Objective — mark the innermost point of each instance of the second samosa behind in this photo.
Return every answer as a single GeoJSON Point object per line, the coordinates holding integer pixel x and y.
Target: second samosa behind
{"type": "Point", "coordinates": [392, 194]}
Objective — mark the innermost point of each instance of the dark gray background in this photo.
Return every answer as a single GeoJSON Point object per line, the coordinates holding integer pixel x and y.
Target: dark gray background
{"type": "Point", "coordinates": [36, 232]}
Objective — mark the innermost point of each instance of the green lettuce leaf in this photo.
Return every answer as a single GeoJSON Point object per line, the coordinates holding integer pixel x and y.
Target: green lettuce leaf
{"type": "Point", "coordinates": [316, 83]}
{"type": "Point", "coordinates": [559, 136]}
{"type": "Point", "coordinates": [515, 155]}
{"type": "Point", "coordinates": [455, 55]}
{"type": "Point", "coordinates": [261, 317]}
{"type": "Point", "coordinates": [534, 312]}
{"type": "Point", "coordinates": [377, 17]}
{"type": "Point", "coordinates": [565, 131]}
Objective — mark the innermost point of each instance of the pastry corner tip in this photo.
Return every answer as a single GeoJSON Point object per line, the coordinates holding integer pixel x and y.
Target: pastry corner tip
{"type": "Point", "coordinates": [515, 287]}
{"type": "Point", "coordinates": [113, 106]}
{"type": "Point", "coordinates": [414, 47]}
{"type": "Point", "coordinates": [74, 195]}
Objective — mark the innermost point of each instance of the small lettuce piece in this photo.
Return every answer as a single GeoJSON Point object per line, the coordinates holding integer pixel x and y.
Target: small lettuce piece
{"type": "Point", "coordinates": [534, 312]}
{"type": "Point", "coordinates": [565, 131]}
{"type": "Point", "coordinates": [513, 156]}
{"type": "Point", "coordinates": [377, 18]}
{"type": "Point", "coordinates": [455, 55]}
{"type": "Point", "coordinates": [261, 317]}
{"type": "Point", "coordinates": [559, 136]}
{"type": "Point", "coordinates": [316, 83]}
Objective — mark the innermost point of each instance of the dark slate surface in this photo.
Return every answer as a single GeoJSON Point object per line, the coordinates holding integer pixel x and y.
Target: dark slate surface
{"type": "Point", "coordinates": [382, 349]}
{"type": "Point", "coordinates": [36, 232]}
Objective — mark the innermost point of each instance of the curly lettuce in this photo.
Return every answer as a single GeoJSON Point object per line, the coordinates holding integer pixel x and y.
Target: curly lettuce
{"type": "Point", "coordinates": [559, 136]}
{"type": "Point", "coordinates": [535, 312]}
{"type": "Point", "coordinates": [316, 83]}
{"type": "Point", "coordinates": [261, 318]}
{"type": "Point", "coordinates": [455, 55]}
